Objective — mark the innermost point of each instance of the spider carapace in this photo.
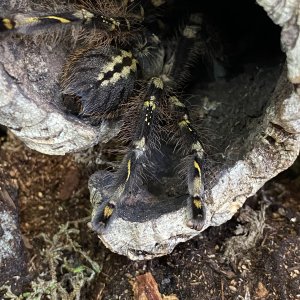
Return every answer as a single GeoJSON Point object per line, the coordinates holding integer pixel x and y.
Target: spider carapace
{"type": "Point", "coordinates": [131, 53]}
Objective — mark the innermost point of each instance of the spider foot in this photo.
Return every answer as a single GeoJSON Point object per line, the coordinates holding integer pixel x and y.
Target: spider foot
{"type": "Point", "coordinates": [197, 212]}
{"type": "Point", "coordinates": [103, 216]}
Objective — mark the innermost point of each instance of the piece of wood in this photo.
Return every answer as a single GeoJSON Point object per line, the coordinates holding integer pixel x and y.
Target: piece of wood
{"type": "Point", "coordinates": [145, 288]}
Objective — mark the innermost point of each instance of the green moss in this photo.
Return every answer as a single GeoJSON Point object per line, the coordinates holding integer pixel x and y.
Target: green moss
{"type": "Point", "coordinates": [67, 269]}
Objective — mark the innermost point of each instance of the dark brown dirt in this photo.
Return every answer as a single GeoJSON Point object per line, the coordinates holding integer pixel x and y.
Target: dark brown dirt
{"type": "Point", "coordinates": [53, 190]}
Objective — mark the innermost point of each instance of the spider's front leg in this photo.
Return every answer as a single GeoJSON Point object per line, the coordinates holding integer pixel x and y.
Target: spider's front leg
{"type": "Point", "coordinates": [194, 154]}
{"type": "Point", "coordinates": [128, 179]}
{"type": "Point", "coordinates": [189, 47]}
{"type": "Point", "coordinates": [89, 19]}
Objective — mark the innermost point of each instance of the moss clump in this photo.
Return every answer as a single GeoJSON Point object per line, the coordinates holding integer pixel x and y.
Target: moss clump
{"type": "Point", "coordinates": [67, 269]}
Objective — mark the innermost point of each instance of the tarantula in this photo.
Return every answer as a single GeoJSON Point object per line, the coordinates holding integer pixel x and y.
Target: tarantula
{"type": "Point", "coordinates": [130, 57]}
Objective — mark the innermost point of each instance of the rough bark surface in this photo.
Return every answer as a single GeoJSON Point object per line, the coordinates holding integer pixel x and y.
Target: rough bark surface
{"type": "Point", "coordinates": [256, 150]}
{"type": "Point", "coordinates": [12, 256]}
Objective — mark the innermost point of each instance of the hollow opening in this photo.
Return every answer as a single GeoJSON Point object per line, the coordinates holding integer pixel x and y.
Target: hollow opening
{"type": "Point", "coordinates": [3, 131]}
{"type": "Point", "coordinates": [247, 35]}
{"type": "Point", "coordinates": [230, 107]}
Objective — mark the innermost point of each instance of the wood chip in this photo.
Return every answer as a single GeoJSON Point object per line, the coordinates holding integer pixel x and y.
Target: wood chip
{"type": "Point", "coordinates": [145, 288]}
{"type": "Point", "coordinates": [261, 291]}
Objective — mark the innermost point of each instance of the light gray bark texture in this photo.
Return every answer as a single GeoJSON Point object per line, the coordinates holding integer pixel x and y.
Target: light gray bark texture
{"type": "Point", "coordinates": [254, 150]}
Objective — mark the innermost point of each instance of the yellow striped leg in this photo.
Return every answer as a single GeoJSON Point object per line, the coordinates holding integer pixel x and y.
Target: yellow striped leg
{"type": "Point", "coordinates": [27, 23]}
{"type": "Point", "coordinates": [195, 154]}
{"type": "Point", "coordinates": [128, 179]}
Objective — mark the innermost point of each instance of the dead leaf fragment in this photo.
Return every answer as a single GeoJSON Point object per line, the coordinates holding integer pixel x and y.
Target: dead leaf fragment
{"type": "Point", "coordinates": [261, 291]}
{"type": "Point", "coordinates": [145, 288]}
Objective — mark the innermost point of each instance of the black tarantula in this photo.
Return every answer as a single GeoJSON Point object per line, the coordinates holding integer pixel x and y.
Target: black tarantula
{"type": "Point", "coordinates": [130, 58]}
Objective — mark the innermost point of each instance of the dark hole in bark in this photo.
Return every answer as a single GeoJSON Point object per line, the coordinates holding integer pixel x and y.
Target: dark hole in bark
{"type": "Point", "coordinates": [248, 34]}
{"type": "Point", "coordinates": [3, 131]}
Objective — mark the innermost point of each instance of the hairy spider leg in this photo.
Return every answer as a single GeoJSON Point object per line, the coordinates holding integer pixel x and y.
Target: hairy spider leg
{"type": "Point", "coordinates": [27, 23]}
{"type": "Point", "coordinates": [129, 174]}
{"type": "Point", "coordinates": [188, 49]}
{"type": "Point", "coordinates": [193, 162]}
{"type": "Point", "coordinates": [186, 52]}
